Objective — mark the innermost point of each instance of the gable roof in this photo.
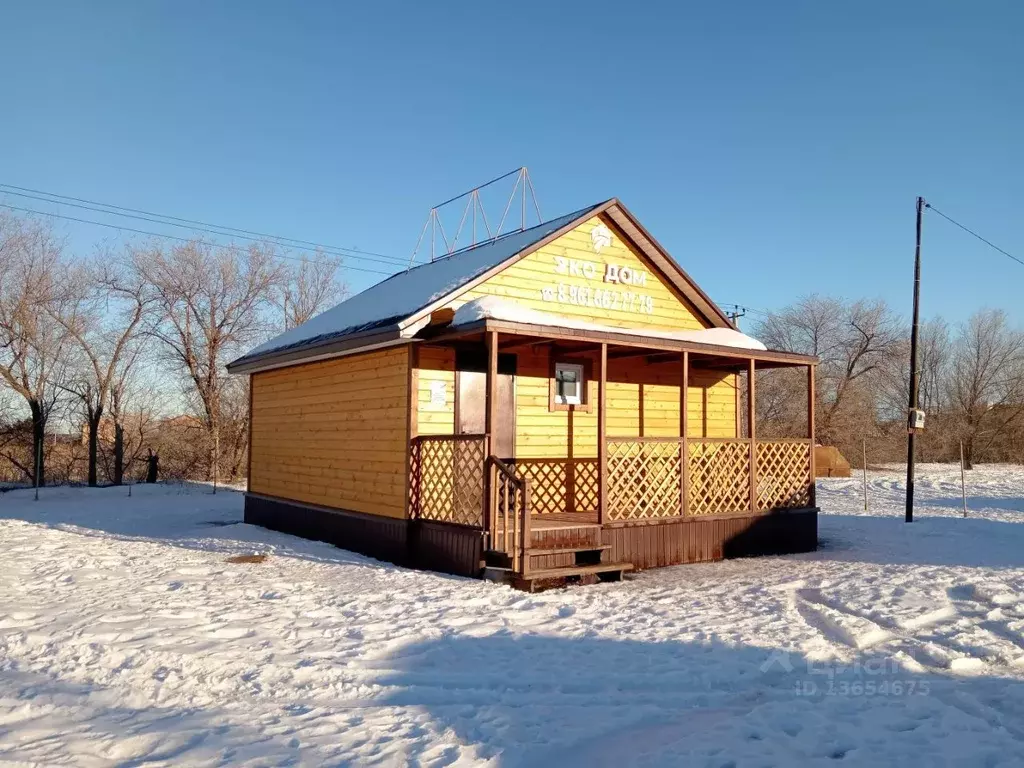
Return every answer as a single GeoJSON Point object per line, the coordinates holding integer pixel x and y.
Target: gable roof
{"type": "Point", "coordinates": [385, 312]}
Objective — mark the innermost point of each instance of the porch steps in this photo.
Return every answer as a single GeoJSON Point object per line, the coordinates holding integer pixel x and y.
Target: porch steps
{"type": "Point", "coordinates": [556, 565]}
{"type": "Point", "coordinates": [611, 569]}
{"type": "Point", "coordinates": [567, 550]}
{"type": "Point", "coordinates": [548, 578]}
{"type": "Point", "coordinates": [546, 558]}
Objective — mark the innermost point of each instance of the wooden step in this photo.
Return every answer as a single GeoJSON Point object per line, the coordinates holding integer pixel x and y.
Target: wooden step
{"type": "Point", "coordinates": [568, 550]}
{"type": "Point", "coordinates": [578, 570]}
{"type": "Point", "coordinates": [500, 575]}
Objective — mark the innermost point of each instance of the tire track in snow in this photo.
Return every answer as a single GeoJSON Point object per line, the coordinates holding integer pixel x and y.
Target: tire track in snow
{"type": "Point", "coordinates": [937, 652]}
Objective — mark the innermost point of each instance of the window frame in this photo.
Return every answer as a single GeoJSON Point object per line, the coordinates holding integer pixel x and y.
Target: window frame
{"type": "Point", "coordinates": [585, 368]}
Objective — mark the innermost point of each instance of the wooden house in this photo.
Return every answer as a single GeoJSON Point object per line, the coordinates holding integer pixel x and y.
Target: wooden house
{"type": "Point", "coordinates": [559, 401]}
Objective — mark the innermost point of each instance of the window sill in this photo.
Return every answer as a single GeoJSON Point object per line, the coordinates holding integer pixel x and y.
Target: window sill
{"type": "Point", "coordinates": [584, 408]}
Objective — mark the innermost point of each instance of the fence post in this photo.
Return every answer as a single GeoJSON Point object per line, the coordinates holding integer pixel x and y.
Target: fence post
{"type": "Point", "coordinates": [864, 468]}
{"type": "Point", "coordinates": [963, 480]}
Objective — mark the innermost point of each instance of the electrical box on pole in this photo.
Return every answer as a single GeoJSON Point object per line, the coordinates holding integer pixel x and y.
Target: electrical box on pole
{"type": "Point", "coordinates": [916, 421]}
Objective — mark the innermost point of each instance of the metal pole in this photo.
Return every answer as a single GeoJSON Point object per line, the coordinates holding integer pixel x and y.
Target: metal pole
{"type": "Point", "coordinates": [909, 517]}
{"type": "Point", "coordinates": [39, 462]}
{"type": "Point", "coordinates": [864, 464]}
{"type": "Point", "coordinates": [963, 481]}
{"type": "Point", "coordinates": [523, 220]}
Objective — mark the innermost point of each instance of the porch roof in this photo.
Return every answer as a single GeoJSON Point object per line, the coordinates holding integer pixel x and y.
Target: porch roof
{"type": "Point", "coordinates": [631, 344]}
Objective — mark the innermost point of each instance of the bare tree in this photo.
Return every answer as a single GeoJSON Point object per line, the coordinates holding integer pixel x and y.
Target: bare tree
{"type": "Point", "coordinates": [33, 347]}
{"type": "Point", "coordinates": [933, 360]}
{"type": "Point", "coordinates": [235, 424]}
{"type": "Point", "coordinates": [986, 386]}
{"type": "Point", "coordinates": [309, 287]}
{"type": "Point", "coordinates": [102, 307]}
{"type": "Point", "coordinates": [212, 303]}
{"type": "Point", "coordinates": [135, 405]}
{"type": "Point", "coordinates": [853, 341]}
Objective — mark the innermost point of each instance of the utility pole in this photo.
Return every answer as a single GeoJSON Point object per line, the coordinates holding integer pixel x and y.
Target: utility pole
{"type": "Point", "coordinates": [736, 314]}
{"type": "Point", "coordinates": [914, 378]}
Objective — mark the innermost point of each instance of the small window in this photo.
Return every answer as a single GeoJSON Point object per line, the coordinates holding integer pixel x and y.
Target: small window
{"type": "Point", "coordinates": [568, 384]}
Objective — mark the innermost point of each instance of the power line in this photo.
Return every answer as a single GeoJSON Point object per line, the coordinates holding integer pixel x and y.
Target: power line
{"type": "Point", "coordinates": [177, 221]}
{"type": "Point", "coordinates": [165, 236]}
{"type": "Point", "coordinates": [744, 308]}
{"type": "Point", "coordinates": [971, 232]}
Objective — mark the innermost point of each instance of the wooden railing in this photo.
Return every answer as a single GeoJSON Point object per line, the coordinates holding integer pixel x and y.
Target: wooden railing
{"type": "Point", "coordinates": [784, 474]}
{"type": "Point", "coordinates": [560, 485]}
{"type": "Point", "coordinates": [508, 521]}
{"type": "Point", "coordinates": [455, 480]}
{"type": "Point", "coordinates": [447, 478]}
{"type": "Point", "coordinates": [644, 478]}
{"type": "Point", "coordinates": [648, 478]}
{"type": "Point", "coordinates": [718, 476]}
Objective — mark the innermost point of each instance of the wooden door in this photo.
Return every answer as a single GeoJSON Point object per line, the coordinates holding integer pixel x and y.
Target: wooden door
{"type": "Point", "coordinates": [471, 401]}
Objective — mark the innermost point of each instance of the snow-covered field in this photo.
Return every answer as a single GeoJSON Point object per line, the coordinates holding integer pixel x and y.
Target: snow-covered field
{"type": "Point", "coordinates": [127, 638]}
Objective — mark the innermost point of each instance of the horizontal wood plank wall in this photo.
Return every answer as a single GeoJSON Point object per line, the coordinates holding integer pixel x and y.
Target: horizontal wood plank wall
{"type": "Point", "coordinates": [436, 364]}
{"type": "Point", "coordinates": [545, 434]}
{"type": "Point", "coordinates": [524, 281]}
{"type": "Point", "coordinates": [635, 390]}
{"type": "Point", "coordinates": [333, 433]}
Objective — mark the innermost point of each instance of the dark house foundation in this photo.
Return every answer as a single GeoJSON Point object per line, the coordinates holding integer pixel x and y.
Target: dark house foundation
{"type": "Point", "coordinates": [459, 550]}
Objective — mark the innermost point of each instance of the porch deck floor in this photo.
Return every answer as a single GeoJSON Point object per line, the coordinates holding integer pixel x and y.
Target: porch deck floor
{"type": "Point", "coordinates": [563, 520]}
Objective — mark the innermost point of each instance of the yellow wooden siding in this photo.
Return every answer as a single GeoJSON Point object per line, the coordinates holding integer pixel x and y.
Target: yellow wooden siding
{"type": "Point", "coordinates": [524, 282]}
{"type": "Point", "coordinates": [633, 389]}
{"type": "Point", "coordinates": [333, 433]}
{"type": "Point", "coordinates": [436, 364]}
{"type": "Point", "coordinates": [542, 433]}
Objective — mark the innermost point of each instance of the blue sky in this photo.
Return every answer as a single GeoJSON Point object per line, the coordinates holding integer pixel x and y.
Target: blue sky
{"type": "Point", "coordinates": [776, 149]}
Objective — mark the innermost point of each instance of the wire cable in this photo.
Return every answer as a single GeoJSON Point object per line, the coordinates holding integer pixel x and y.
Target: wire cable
{"type": "Point", "coordinates": [971, 232]}
{"type": "Point", "coordinates": [177, 221]}
{"type": "Point", "coordinates": [170, 237]}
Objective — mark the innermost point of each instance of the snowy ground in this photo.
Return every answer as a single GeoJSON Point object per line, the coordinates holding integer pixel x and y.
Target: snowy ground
{"type": "Point", "coordinates": [126, 638]}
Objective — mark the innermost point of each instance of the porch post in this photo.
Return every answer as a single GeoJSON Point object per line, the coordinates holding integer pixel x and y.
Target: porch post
{"type": "Point", "coordinates": [810, 432]}
{"type": "Point", "coordinates": [490, 423]}
{"type": "Point", "coordinates": [752, 429]}
{"type": "Point", "coordinates": [602, 435]}
{"type": "Point", "coordinates": [491, 414]}
{"type": "Point", "coordinates": [684, 450]}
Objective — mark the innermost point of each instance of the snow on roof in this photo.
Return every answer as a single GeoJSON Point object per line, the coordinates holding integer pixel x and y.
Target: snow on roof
{"type": "Point", "coordinates": [495, 308]}
{"type": "Point", "coordinates": [401, 295]}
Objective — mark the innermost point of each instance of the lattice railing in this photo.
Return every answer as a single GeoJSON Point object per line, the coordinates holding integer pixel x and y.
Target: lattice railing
{"type": "Point", "coordinates": [719, 480]}
{"type": "Point", "coordinates": [644, 478]}
{"type": "Point", "coordinates": [783, 474]}
{"type": "Point", "coordinates": [585, 485]}
{"type": "Point", "coordinates": [447, 479]}
{"type": "Point", "coordinates": [560, 485]}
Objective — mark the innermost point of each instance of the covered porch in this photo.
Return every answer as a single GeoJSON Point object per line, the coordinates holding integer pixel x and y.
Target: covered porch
{"type": "Point", "coordinates": [658, 472]}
